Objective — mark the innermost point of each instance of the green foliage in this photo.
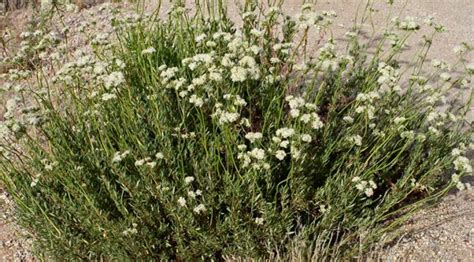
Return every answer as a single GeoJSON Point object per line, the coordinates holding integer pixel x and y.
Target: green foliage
{"type": "Point", "coordinates": [193, 138]}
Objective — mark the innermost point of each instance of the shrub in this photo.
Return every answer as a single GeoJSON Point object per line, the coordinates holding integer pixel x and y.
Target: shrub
{"type": "Point", "coordinates": [192, 137]}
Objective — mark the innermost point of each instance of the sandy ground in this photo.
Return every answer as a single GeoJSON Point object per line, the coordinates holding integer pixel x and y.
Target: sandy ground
{"type": "Point", "coordinates": [441, 233]}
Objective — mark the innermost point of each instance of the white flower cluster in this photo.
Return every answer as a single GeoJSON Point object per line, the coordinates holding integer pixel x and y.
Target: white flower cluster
{"type": "Point", "coordinates": [148, 51]}
{"type": "Point", "coordinates": [145, 161]}
{"type": "Point", "coordinates": [408, 24]}
{"type": "Point", "coordinates": [119, 156]}
{"type": "Point", "coordinates": [462, 165]}
{"type": "Point", "coordinates": [367, 187]}
{"type": "Point", "coordinates": [245, 69]}
{"type": "Point", "coordinates": [48, 164]}
{"type": "Point", "coordinates": [18, 116]}
{"type": "Point", "coordinates": [328, 60]}
{"type": "Point", "coordinates": [304, 112]}
{"type": "Point", "coordinates": [253, 136]}
{"type": "Point", "coordinates": [309, 18]}
{"type": "Point", "coordinates": [230, 114]}
{"type": "Point", "coordinates": [114, 80]}
{"type": "Point", "coordinates": [388, 79]}
{"type": "Point", "coordinates": [355, 139]}
{"type": "Point", "coordinates": [255, 158]}
{"type": "Point", "coordinates": [192, 197]}
{"type": "Point", "coordinates": [440, 64]}
{"type": "Point", "coordinates": [36, 45]}
{"type": "Point", "coordinates": [366, 104]}
{"type": "Point", "coordinates": [131, 231]}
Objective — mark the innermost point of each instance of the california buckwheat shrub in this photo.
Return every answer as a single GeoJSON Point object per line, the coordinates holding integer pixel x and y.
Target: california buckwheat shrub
{"type": "Point", "coordinates": [193, 138]}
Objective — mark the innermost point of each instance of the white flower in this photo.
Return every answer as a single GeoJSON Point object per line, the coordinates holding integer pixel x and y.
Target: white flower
{"type": "Point", "coordinates": [295, 152]}
{"type": "Point", "coordinates": [255, 49]}
{"type": "Point", "coordinates": [360, 186]}
{"type": "Point", "coordinates": [420, 137]}
{"type": "Point", "coordinates": [210, 43]}
{"type": "Point", "coordinates": [355, 179]}
{"type": "Point", "coordinates": [118, 157]}
{"type": "Point", "coordinates": [191, 194]}
{"type": "Point", "coordinates": [239, 101]}
{"type": "Point", "coordinates": [203, 58]}
{"type": "Point", "coordinates": [248, 62]}
{"type": "Point", "coordinates": [306, 138]}
{"type": "Point", "coordinates": [462, 164]}
{"type": "Point", "coordinates": [120, 63]}
{"type": "Point", "coordinates": [408, 134]}
{"type": "Point", "coordinates": [312, 107]}
{"type": "Point", "coordinates": [195, 100]}
{"type": "Point", "coordinates": [238, 74]}
{"type": "Point", "coordinates": [323, 208]}
{"type": "Point", "coordinates": [257, 153]}
{"type": "Point", "coordinates": [149, 50]}
{"type": "Point", "coordinates": [285, 132]}
{"type": "Point", "coordinates": [215, 76]}
{"type": "Point", "coordinates": [256, 32]}
{"type": "Point", "coordinates": [228, 117]}
{"type": "Point", "coordinates": [294, 113]}
{"type": "Point", "coordinates": [433, 131]}
{"type": "Point", "coordinates": [200, 38]}
{"type": "Point", "coordinates": [114, 79]}
{"type": "Point", "coordinates": [348, 119]}
{"type": "Point", "coordinates": [459, 49]}
{"type": "Point", "coordinates": [151, 164]}
{"type": "Point", "coordinates": [159, 155]}
{"type": "Point", "coordinates": [280, 154]}
{"type": "Point", "coordinates": [305, 118]}
{"type": "Point", "coordinates": [284, 143]}
{"type": "Point", "coordinates": [431, 116]}
{"type": "Point", "coordinates": [183, 93]}
{"type": "Point", "coordinates": [182, 201]}
{"type": "Point", "coordinates": [242, 147]}
{"type": "Point", "coordinates": [253, 136]}
{"type": "Point", "coordinates": [462, 186]}
{"type": "Point", "coordinates": [369, 192]}
{"type": "Point", "coordinates": [456, 152]}
{"type": "Point", "coordinates": [259, 221]}
{"type": "Point", "coordinates": [445, 76]}
{"type": "Point", "coordinates": [108, 96]}
{"type": "Point", "coordinates": [399, 120]}
{"type": "Point", "coordinates": [140, 162]}
{"type": "Point", "coordinates": [188, 180]}
{"type": "Point", "coordinates": [295, 102]}
{"type": "Point", "coordinates": [275, 60]}
{"type": "Point", "coordinates": [372, 184]}
{"type": "Point", "coordinates": [227, 61]}
{"type": "Point", "coordinates": [199, 81]}
{"type": "Point", "coordinates": [356, 139]}
{"type": "Point", "coordinates": [317, 123]}
{"type": "Point", "coordinates": [455, 178]}
{"type": "Point", "coordinates": [199, 209]}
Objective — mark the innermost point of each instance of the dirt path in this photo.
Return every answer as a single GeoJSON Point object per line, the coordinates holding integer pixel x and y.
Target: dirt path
{"type": "Point", "coordinates": [14, 245]}
{"type": "Point", "coordinates": [441, 233]}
